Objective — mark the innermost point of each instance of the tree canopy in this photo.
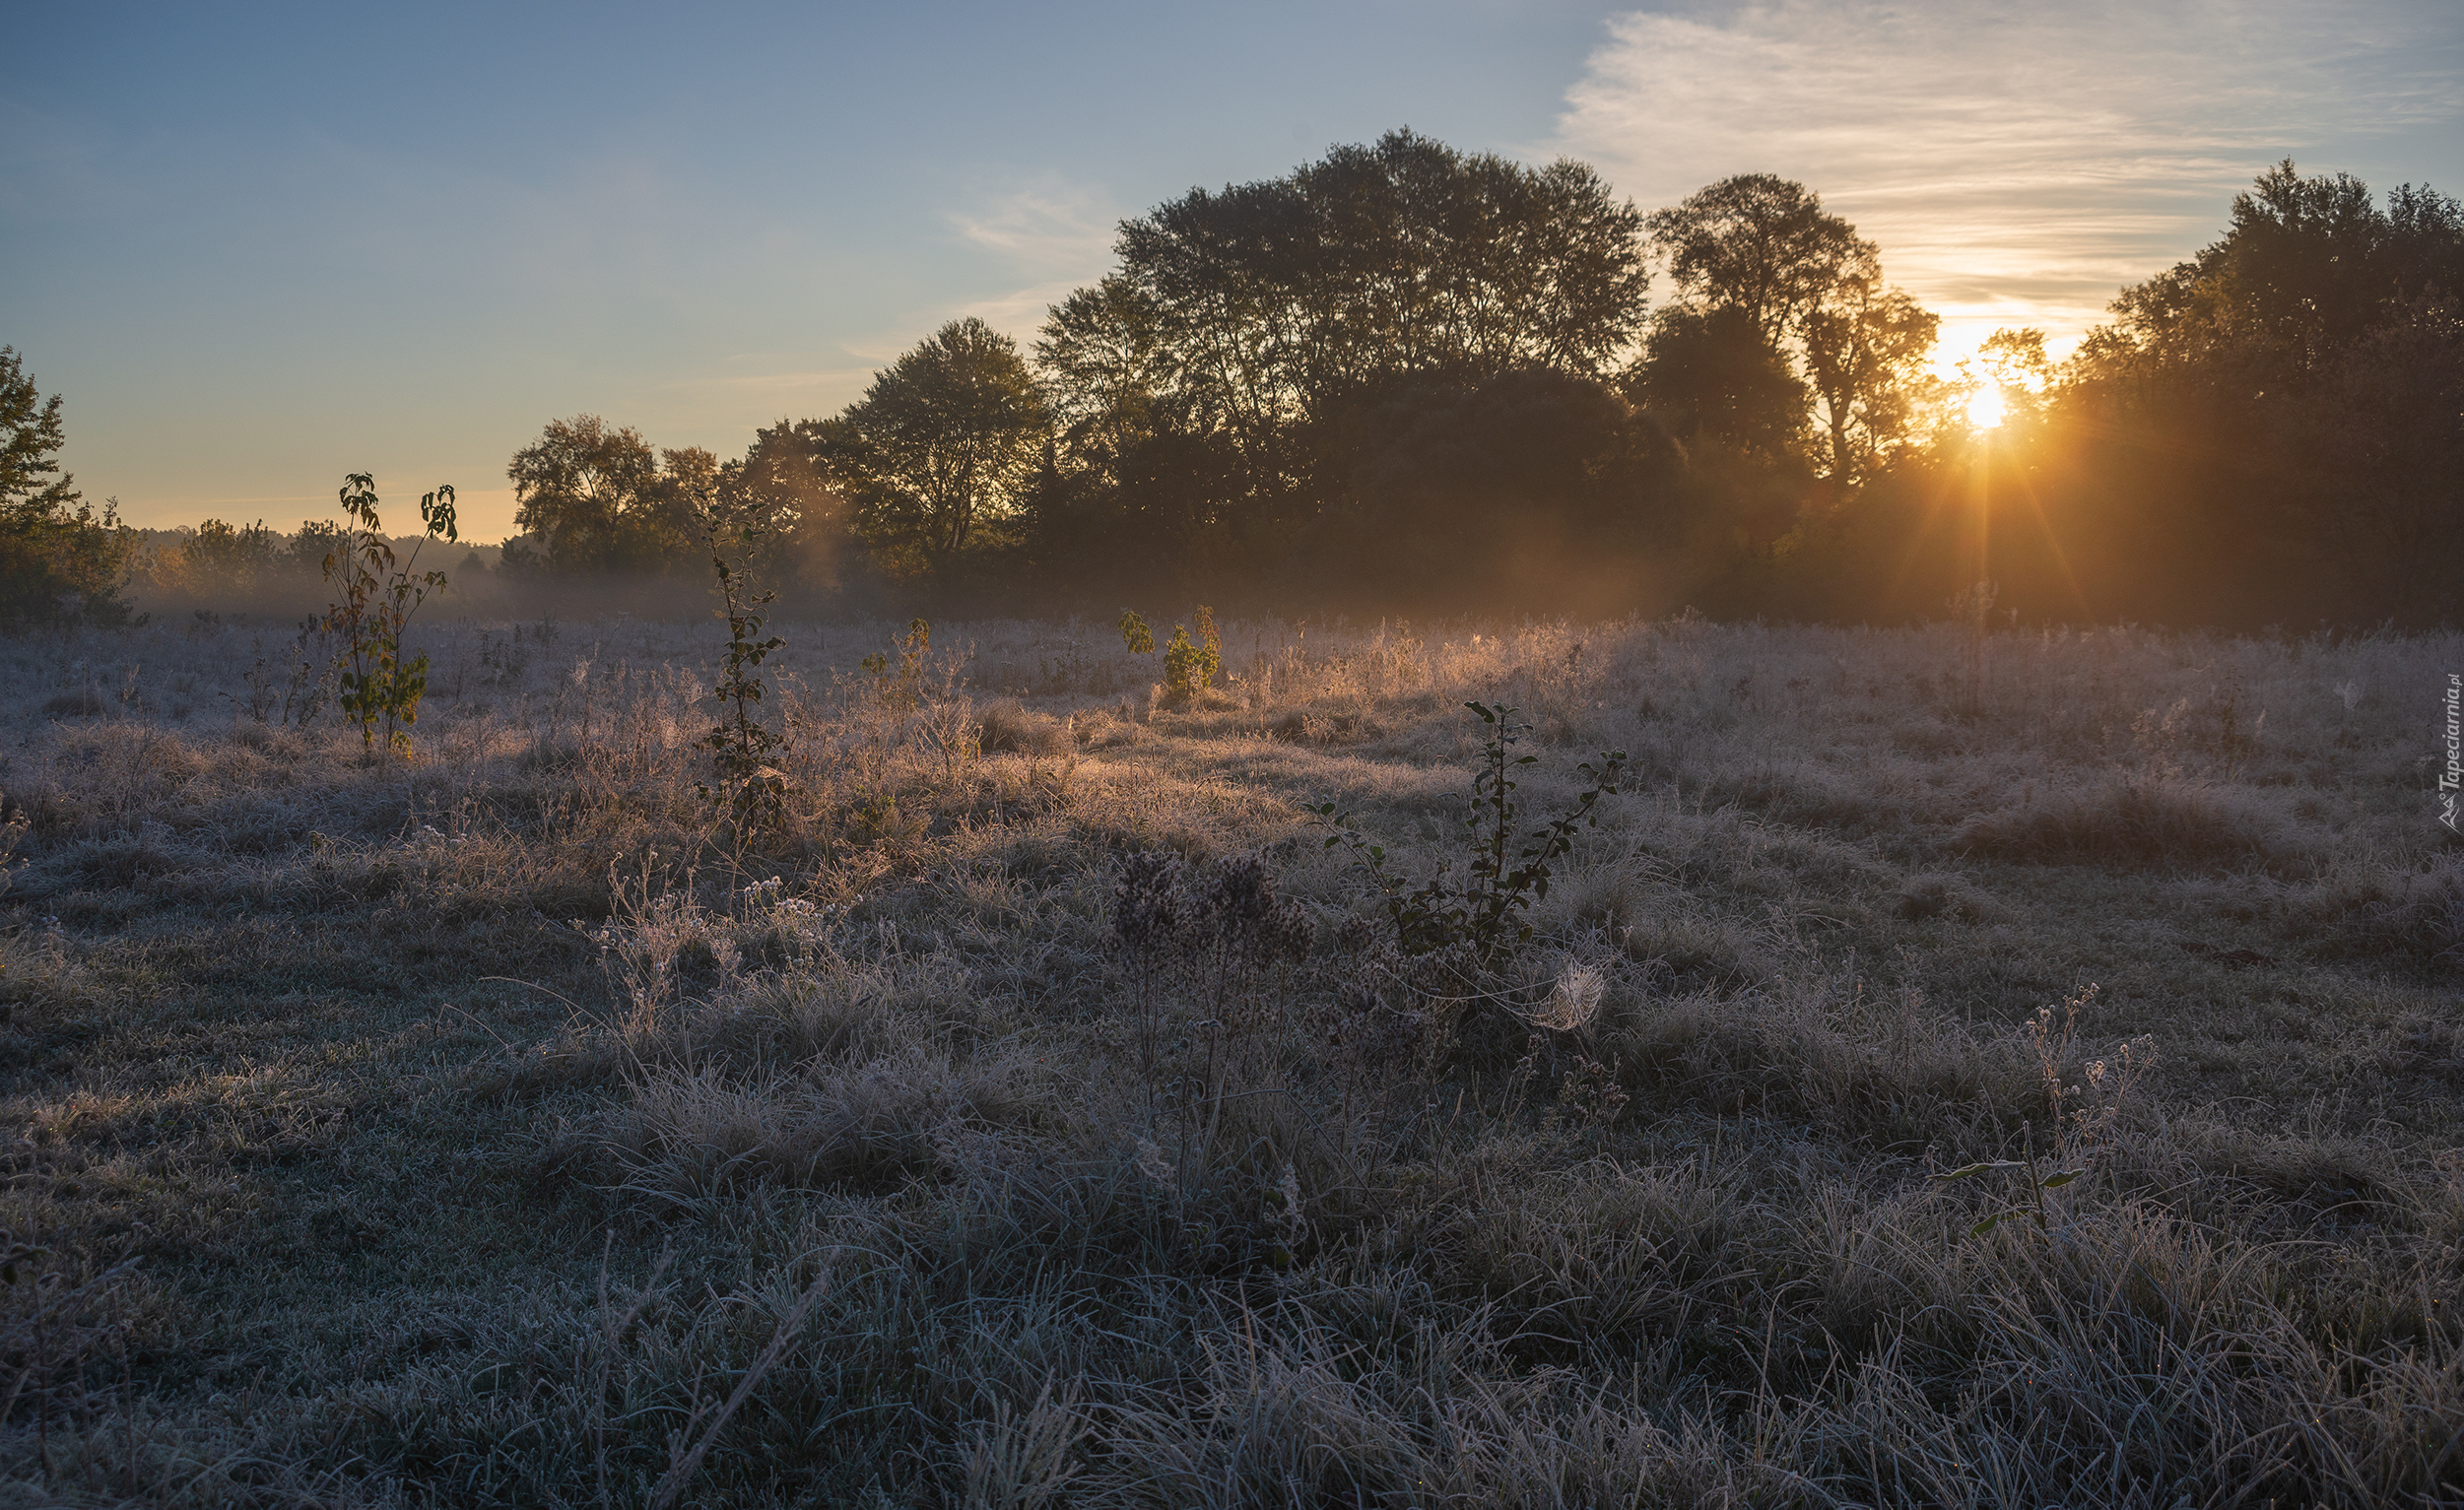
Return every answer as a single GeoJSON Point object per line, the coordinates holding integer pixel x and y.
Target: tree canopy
{"type": "Point", "coordinates": [1263, 303]}
{"type": "Point", "coordinates": [944, 443]}
{"type": "Point", "coordinates": [591, 497]}
{"type": "Point", "coordinates": [2293, 392]}
{"type": "Point", "coordinates": [1403, 376]}
{"type": "Point", "coordinates": [1781, 306]}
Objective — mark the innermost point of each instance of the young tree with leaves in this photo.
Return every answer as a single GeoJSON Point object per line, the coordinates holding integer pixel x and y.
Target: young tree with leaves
{"type": "Point", "coordinates": [379, 686]}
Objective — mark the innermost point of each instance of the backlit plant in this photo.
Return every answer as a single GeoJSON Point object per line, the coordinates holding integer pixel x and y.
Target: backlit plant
{"type": "Point", "coordinates": [1489, 910]}
{"type": "Point", "coordinates": [742, 749]}
{"type": "Point", "coordinates": [1191, 665]}
{"type": "Point", "coordinates": [379, 686]}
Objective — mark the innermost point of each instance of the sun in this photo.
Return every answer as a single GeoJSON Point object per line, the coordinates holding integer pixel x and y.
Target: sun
{"type": "Point", "coordinates": [1984, 406]}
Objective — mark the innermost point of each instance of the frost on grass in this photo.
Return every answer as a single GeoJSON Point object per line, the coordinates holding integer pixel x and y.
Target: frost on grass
{"type": "Point", "coordinates": [1033, 1110]}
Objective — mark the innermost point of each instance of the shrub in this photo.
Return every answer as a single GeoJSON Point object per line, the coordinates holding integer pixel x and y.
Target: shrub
{"type": "Point", "coordinates": [901, 688]}
{"type": "Point", "coordinates": [1190, 666]}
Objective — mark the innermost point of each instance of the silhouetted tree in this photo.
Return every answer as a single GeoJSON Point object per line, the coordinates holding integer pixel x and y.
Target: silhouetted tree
{"type": "Point", "coordinates": [1760, 245]}
{"type": "Point", "coordinates": [943, 445]}
{"type": "Point", "coordinates": [813, 545]}
{"type": "Point", "coordinates": [32, 485]}
{"type": "Point", "coordinates": [1106, 366]}
{"type": "Point", "coordinates": [1403, 259]}
{"type": "Point", "coordinates": [1208, 392]}
{"type": "Point", "coordinates": [2272, 411]}
{"type": "Point", "coordinates": [1761, 253]}
{"type": "Point", "coordinates": [1865, 358]}
{"type": "Point", "coordinates": [593, 498]}
{"type": "Point", "coordinates": [1710, 374]}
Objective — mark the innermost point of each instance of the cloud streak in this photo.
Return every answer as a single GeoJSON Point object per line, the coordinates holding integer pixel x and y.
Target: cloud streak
{"type": "Point", "coordinates": [1056, 227]}
{"type": "Point", "coordinates": [2017, 167]}
{"type": "Point", "coordinates": [1057, 238]}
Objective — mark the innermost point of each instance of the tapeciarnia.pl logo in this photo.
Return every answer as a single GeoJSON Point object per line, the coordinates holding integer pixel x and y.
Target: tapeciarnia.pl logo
{"type": "Point", "coordinates": [2453, 778]}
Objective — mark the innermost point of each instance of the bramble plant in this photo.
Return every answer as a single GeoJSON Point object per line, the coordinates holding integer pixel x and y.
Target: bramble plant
{"type": "Point", "coordinates": [375, 685]}
{"type": "Point", "coordinates": [1489, 911]}
{"type": "Point", "coordinates": [1135, 634]}
{"type": "Point", "coordinates": [1191, 666]}
{"type": "Point", "coordinates": [741, 747]}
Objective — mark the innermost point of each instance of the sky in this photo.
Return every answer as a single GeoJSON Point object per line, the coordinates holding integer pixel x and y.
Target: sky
{"type": "Point", "coordinates": [257, 247]}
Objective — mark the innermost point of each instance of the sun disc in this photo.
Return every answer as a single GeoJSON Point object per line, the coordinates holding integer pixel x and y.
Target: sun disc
{"type": "Point", "coordinates": [1984, 407]}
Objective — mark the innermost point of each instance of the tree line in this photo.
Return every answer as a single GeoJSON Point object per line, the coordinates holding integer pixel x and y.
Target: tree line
{"type": "Point", "coordinates": [1409, 378]}
{"type": "Point", "coordinates": [1401, 376]}
{"type": "Point", "coordinates": [1405, 377]}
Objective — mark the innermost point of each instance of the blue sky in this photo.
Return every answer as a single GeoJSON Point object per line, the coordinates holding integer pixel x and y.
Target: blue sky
{"type": "Point", "coordinates": [260, 248]}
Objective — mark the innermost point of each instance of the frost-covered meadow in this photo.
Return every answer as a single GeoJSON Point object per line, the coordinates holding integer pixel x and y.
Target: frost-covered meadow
{"type": "Point", "coordinates": [1038, 1111]}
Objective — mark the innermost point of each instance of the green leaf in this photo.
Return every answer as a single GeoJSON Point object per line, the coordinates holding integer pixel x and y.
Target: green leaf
{"type": "Point", "coordinates": [2059, 1177]}
{"type": "Point", "coordinates": [1988, 1225]}
{"type": "Point", "coordinates": [1968, 1171]}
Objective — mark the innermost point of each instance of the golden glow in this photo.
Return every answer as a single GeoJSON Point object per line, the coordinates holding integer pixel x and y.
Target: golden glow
{"type": "Point", "coordinates": [1984, 406]}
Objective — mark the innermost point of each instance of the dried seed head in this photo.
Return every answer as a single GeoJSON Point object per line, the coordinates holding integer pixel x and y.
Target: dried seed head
{"type": "Point", "coordinates": [1244, 892]}
{"type": "Point", "coordinates": [1147, 903]}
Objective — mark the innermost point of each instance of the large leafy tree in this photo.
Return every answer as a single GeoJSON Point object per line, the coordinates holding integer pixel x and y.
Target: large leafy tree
{"type": "Point", "coordinates": [1106, 367]}
{"type": "Point", "coordinates": [1265, 302]}
{"type": "Point", "coordinates": [1769, 284]}
{"type": "Point", "coordinates": [592, 496]}
{"type": "Point", "coordinates": [1710, 374]}
{"type": "Point", "coordinates": [942, 449]}
{"type": "Point", "coordinates": [1760, 245]}
{"type": "Point", "coordinates": [1218, 393]}
{"type": "Point", "coordinates": [785, 481]}
{"type": "Point", "coordinates": [1865, 358]}
{"type": "Point", "coordinates": [59, 556]}
{"type": "Point", "coordinates": [2284, 401]}
{"type": "Point", "coordinates": [2307, 268]}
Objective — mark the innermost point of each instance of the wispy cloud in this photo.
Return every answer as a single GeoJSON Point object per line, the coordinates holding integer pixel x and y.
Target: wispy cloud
{"type": "Point", "coordinates": [1051, 226]}
{"type": "Point", "coordinates": [1053, 237]}
{"type": "Point", "coordinates": [2016, 166]}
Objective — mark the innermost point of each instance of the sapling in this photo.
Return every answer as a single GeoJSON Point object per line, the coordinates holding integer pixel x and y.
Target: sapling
{"type": "Point", "coordinates": [1490, 912]}
{"type": "Point", "coordinates": [742, 749]}
{"type": "Point", "coordinates": [377, 685]}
